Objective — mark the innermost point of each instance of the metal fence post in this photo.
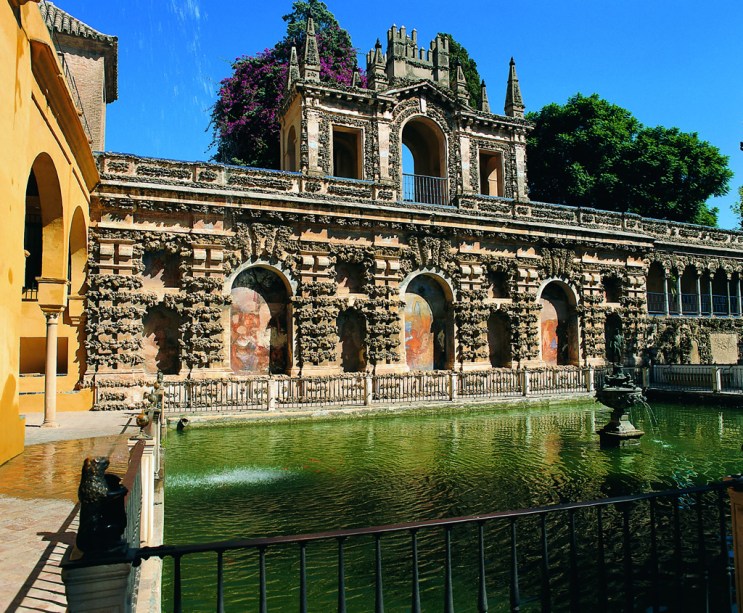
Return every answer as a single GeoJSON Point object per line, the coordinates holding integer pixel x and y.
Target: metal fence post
{"type": "Point", "coordinates": [453, 380]}
{"type": "Point", "coordinates": [273, 392]}
{"type": "Point", "coordinates": [717, 380]}
{"type": "Point", "coordinates": [590, 374]}
{"type": "Point", "coordinates": [368, 389]}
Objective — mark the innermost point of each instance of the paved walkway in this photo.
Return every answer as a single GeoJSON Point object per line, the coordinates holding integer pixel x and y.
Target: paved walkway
{"type": "Point", "coordinates": [38, 502]}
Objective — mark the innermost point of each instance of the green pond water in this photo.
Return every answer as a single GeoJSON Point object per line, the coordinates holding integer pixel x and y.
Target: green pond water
{"type": "Point", "coordinates": [314, 476]}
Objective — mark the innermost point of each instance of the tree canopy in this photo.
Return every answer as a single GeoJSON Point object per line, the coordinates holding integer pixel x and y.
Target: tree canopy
{"type": "Point", "coordinates": [459, 55]}
{"type": "Point", "coordinates": [738, 207]}
{"type": "Point", "coordinates": [245, 117]}
{"type": "Point", "coordinates": [589, 152]}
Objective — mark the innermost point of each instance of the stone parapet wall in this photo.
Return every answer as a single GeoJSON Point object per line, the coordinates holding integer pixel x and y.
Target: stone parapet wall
{"type": "Point", "coordinates": [204, 178]}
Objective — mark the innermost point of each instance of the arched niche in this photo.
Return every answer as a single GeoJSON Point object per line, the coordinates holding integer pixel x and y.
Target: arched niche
{"type": "Point", "coordinates": [352, 340]}
{"type": "Point", "coordinates": [559, 325]}
{"type": "Point", "coordinates": [614, 339]}
{"type": "Point", "coordinates": [499, 339]}
{"type": "Point", "coordinates": [491, 173]}
{"type": "Point", "coordinates": [290, 150]}
{"type": "Point", "coordinates": [656, 288]}
{"type": "Point", "coordinates": [45, 197]}
{"type": "Point", "coordinates": [259, 323]}
{"type": "Point", "coordinates": [78, 254]}
{"type": "Point", "coordinates": [720, 292]}
{"type": "Point", "coordinates": [429, 327]}
{"type": "Point", "coordinates": [33, 240]}
{"type": "Point", "coordinates": [424, 148]}
{"type": "Point", "coordinates": [160, 344]}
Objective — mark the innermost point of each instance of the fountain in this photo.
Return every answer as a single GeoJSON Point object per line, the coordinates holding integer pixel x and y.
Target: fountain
{"type": "Point", "coordinates": [620, 394]}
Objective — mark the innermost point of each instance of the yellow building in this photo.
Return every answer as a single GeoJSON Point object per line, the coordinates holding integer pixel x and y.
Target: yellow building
{"type": "Point", "coordinates": [47, 172]}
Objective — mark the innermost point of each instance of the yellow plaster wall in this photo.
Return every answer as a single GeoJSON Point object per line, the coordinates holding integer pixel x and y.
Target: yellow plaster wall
{"type": "Point", "coordinates": [34, 121]}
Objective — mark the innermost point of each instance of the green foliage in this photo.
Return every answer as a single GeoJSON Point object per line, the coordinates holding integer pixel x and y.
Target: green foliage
{"type": "Point", "coordinates": [245, 117]}
{"type": "Point", "coordinates": [459, 55]}
{"type": "Point", "coordinates": [590, 152]}
{"type": "Point", "coordinates": [738, 206]}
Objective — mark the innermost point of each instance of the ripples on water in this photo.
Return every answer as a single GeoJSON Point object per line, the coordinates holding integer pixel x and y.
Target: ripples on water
{"type": "Point", "coordinates": [266, 480]}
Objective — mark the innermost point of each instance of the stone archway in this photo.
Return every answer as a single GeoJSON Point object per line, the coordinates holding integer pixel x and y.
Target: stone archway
{"type": "Point", "coordinates": [429, 328]}
{"type": "Point", "coordinates": [424, 148]}
{"type": "Point", "coordinates": [559, 325]}
{"type": "Point", "coordinates": [259, 323]}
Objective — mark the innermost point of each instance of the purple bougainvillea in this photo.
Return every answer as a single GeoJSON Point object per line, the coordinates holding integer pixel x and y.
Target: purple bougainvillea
{"type": "Point", "coordinates": [245, 117]}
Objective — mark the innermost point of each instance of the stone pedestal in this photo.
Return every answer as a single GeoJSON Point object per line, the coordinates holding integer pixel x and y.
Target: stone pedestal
{"type": "Point", "coordinates": [98, 589]}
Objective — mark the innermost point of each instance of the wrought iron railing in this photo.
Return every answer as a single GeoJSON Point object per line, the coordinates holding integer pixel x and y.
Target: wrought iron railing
{"type": "Point", "coordinates": [494, 383]}
{"type": "Point", "coordinates": [720, 304]}
{"type": "Point", "coordinates": [216, 394]}
{"type": "Point", "coordinates": [296, 393]}
{"type": "Point", "coordinates": [306, 392]}
{"type": "Point", "coordinates": [425, 190]}
{"type": "Point", "coordinates": [656, 303]}
{"type": "Point", "coordinates": [690, 304]}
{"type": "Point", "coordinates": [656, 551]}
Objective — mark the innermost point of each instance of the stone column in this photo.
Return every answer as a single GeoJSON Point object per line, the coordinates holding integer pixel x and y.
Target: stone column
{"type": "Point", "coordinates": [727, 287]}
{"type": "Point", "coordinates": [711, 299]}
{"type": "Point", "coordinates": [699, 294]}
{"type": "Point", "coordinates": [665, 297]}
{"type": "Point", "coordinates": [50, 370]}
{"type": "Point", "coordinates": [679, 294]}
{"type": "Point", "coordinates": [740, 305]}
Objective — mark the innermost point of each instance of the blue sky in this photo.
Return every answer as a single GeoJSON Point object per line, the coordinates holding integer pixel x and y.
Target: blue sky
{"type": "Point", "coordinates": [671, 63]}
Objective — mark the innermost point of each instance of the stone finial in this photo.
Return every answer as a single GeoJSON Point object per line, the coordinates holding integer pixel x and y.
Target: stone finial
{"type": "Point", "coordinates": [460, 86]}
{"type": "Point", "coordinates": [293, 69]}
{"type": "Point", "coordinates": [356, 79]}
{"type": "Point", "coordinates": [311, 68]}
{"type": "Point", "coordinates": [376, 70]}
{"type": "Point", "coordinates": [514, 104]}
{"type": "Point", "coordinates": [484, 102]}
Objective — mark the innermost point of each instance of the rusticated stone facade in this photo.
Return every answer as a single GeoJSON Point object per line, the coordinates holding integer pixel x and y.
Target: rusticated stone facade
{"type": "Point", "coordinates": [207, 270]}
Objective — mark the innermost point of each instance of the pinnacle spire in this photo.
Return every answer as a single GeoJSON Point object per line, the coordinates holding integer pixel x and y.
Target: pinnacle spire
{"type": "Point", "coordinates": [514, 104]}
{"type": "Point", "coordinates": [311, 68]}
{"type": "Point", "coordinates": [484, 102]}
{"type": "Point", "coordinates": [460, 86]}
{"type": "Point", "coordinates": [376, 68]}
{"type": "Point", "coordinates": [293, 69]}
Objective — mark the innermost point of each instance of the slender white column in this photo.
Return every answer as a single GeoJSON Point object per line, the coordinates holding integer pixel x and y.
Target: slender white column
{"type": "Point", "coordinates": [665, 296]}
{"type": "Point", "coordinates": [727, 287]}
{"type": "Point", "coordinates": [680, 296]}
{"type": "Point", "coordinates": [739, 310]}
{"type": "Point", "coordinates": [699, 294]}
{"type": "Point", "coordinates": [50, 370]}
{"type": "Point", "coordinates": [711, 299]}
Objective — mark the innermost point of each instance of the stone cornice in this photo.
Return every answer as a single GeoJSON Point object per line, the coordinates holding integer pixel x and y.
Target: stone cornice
{"type": "Point", "coordinates": [215, 185]}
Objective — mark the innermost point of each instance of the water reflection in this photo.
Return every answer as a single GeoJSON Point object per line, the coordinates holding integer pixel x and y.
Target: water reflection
{"type": "Point", "coordinates": [315, 476]}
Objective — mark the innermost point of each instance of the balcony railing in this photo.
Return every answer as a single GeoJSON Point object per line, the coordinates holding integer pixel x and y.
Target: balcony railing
{"type": "Point", "coordinates": [656, 303]}
{"type": "Point", "coordinates": [425, 190]}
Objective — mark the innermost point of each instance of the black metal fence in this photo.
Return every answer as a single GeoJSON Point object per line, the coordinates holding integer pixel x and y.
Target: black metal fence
{"type": "Point", "coordinates": [663, 551]}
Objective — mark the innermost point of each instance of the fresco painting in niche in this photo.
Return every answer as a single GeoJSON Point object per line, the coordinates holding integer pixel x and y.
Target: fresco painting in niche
{"type": "Point", "coordinates": [425, 325]}
{"type": "Point", "coordinates": [160, 343]}
{"type": "Point", "coordinates": [558, 328]}
{"type": "Point", "coordinates": [258, 323]}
